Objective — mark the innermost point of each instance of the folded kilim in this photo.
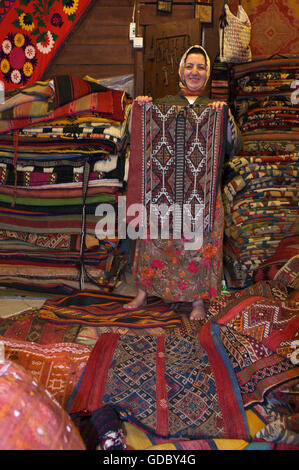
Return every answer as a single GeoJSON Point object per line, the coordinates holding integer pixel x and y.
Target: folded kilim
{"type": "Point", "coordinates": [273, 323]}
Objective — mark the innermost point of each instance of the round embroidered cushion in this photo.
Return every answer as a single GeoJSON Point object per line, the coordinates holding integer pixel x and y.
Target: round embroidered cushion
{"type": "Point", "coordinates": [30, 419]}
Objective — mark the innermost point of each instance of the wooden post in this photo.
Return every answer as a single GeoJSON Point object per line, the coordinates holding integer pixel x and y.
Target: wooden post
{"type": "Point", "coordinates": [138, 55]}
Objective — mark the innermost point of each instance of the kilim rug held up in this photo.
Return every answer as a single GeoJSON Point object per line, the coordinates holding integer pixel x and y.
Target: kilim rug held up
{"type": "Point", "coordinates": [32, 32]}
{"type": "Point", "coordinates": [176, 159]}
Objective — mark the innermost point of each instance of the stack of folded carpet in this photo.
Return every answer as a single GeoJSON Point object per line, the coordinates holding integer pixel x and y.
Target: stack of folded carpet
{"type": "Point", "coordinates": [63, 146]}
{"type": "Point", "coordinates": [261, 184]}
{"type": "Point", "coordinates": [263, 94]}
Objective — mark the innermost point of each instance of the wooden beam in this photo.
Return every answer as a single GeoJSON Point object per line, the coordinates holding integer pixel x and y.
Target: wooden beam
{"type": "Point", "coordinates": [100, 54]}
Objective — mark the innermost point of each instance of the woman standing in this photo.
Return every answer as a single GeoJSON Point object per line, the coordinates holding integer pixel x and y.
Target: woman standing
{"type": "Point", "coordinates": [165, 268]}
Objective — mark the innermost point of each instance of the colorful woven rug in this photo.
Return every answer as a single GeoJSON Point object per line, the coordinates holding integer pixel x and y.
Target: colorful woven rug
{"type": "Point", "coordinates": [86, 308]}
{"type": "Point", "coordinates": [289, 273]}
{"type": "Point", "coordinates": [170, 386]}
{"type": "Point", "coordinates": [31, 35]}
{"type": "Point", "coordinates": [138, 439]}
{"type": "Point", "coordinates": [186, 327]}
{"type": "Point", "coordinates": [272, 323]}
{"type": "Point", "coordinates": [258, 370]}
{"type": "Point", "coordinates": [105, 104]}
{"type": "Point", "coordinates": [56, 367]}
{"type": "Point", "coordinates": [277, 263]}
{"type": "Point", "coordinates": [176, 159]}
{"type": "Point", "coordinates": [274, 26]}
{"type": "Point", "coordinates": [222, 304]}
{"type": "Point", "coordinates": [259, 330]}
{"type": "Point", "coordinates": [30, 327]}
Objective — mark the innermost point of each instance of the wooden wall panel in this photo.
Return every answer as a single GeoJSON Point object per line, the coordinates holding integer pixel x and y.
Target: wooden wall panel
{"type": "Point", "coordinates": [149, 14]}
{"type": "Point", "coordinates": [100, 54]}
{"type": "Point", "coordinates": [100, 46]}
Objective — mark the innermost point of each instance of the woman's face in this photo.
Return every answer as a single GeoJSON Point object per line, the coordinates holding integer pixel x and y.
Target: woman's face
{"type": "Point", "coordinates": [195, 72]}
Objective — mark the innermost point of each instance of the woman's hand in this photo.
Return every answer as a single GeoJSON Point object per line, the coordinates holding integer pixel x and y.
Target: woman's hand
{"type": "Point", "coordinates": [143, 99]}
{"type": "Point", "coordinates": [217, 104]}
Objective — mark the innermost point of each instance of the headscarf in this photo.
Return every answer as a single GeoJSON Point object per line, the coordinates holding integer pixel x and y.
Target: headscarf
{"type": "Point", "coordinates": [182, 83]}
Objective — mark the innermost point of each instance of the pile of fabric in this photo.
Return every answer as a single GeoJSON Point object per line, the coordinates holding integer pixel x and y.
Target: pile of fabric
{"type": "Point", "coordinates": [175, 387]}
{"type": "Point", "coordinates": [261, 184]}
{"type": "Point", "coordinates": [63, 152]}
{"type": "Point", "coordinates": [263, 95]}
{"type": "Point", "coordinates": [165, 388]}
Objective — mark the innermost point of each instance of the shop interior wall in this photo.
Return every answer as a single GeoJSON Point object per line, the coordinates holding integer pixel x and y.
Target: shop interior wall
{"type": "Point", "coordinates": [100, 46]}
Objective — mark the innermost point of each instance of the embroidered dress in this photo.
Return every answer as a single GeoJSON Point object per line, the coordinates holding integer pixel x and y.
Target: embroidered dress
{"type": "Point", "coordinates": [166, 267]}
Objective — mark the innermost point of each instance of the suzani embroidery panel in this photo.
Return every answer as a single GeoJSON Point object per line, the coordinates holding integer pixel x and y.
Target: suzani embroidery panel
{"type": "Point", "coordinates": [32, 32]}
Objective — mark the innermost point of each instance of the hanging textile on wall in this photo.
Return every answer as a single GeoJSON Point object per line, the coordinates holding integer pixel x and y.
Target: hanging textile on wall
{"type": "Point", "coordinates": [274, 26]}
{"type": "Point", "coordinates": [234, 35]}
{"type": "Point", "coordinates": [164, 5]}
{"type": "Point", "coordinates": [32, 32]}
{"type": "Point", "coordinates": [204, 11]}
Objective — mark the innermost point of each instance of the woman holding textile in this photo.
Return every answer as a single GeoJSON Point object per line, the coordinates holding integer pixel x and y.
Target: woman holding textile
{"type": "Point", "coordinates": [165, 268]}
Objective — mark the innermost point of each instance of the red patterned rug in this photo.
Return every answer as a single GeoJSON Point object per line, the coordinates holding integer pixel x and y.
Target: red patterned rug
{"type": "Point", "coordinates": [274, 26]}
{"type": "Point", "coordinates": [30, 327]}
{"type": "Point", "coordinates": [272, 323]}
{"type": "Point", "coordinates": [176, 159]}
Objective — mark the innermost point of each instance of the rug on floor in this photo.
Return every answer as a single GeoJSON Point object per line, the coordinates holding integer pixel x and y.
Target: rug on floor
{"type": "Point", "coordinates": [28, 326]}
{"type": "Point", "coordinates": [57, 367]}
{"type": "Point", "coordinates": [170, 386]}
{"type": "Point", "coordinates": [104, 309]}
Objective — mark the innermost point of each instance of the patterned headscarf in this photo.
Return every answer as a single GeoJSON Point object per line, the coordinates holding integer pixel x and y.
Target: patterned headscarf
{"type": "Point", "coordinates": [183, 60]}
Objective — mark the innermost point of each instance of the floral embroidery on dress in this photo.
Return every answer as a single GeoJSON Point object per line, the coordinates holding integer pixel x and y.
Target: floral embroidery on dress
{"type": "Point", "coordinates": [165, 270]}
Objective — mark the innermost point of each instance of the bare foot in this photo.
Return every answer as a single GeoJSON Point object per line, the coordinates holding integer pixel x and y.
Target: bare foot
{"type": "Point", "coordinates": [138, 301]}
{"type": "Point", "coordinates": [198, 311]}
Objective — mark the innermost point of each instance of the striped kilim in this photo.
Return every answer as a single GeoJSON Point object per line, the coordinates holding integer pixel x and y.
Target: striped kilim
{"type": "Point", "coordinates": [106, 309]}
